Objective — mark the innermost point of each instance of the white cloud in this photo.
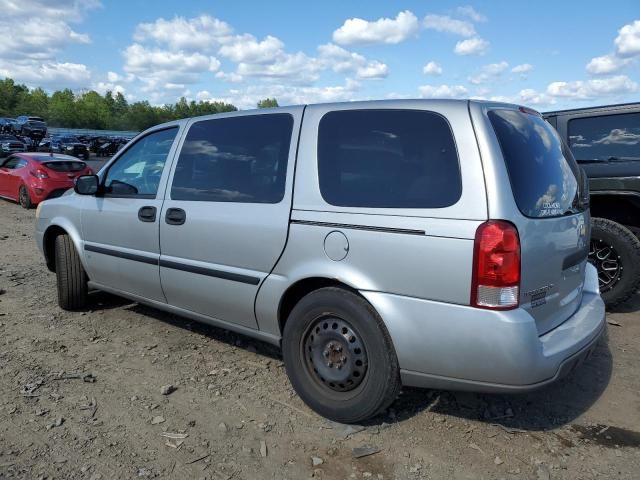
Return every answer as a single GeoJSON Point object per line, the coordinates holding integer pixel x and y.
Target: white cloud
{"type": "Point", "coordinates": [523, 68]}
{"type": "Point", "coordinates": [383, 30]}
{"type": "Point", "coordinates": [442, 91]}
{"type": "Point", "coordinates": [48, 74]}
{"type": "Point", "coordinates": [600, 87]}
{"type": "Point", "coordinates": [203, 33]}
{"type": "Point", "coordinates": [471, 46]}
{"type": "Point", "coordinates": [628, 40]}
{"type": "Point", "coordinates": [34, 32]}
{"type": "Point", "coordinates": [443, 23]}
{"type": "Point", "coordinates": [229, 77]}
{"type": "Point", "coordinates": [344, 61]}
{"type": "Point", "coordinates": [532, 97]}
{"type": "Point", "coordinates": [606, 64]}
{"type": "Point", "coordinates": [473, 14]}
{"type": "Point", "coordinates": [104, 87]}
{"type": "Point", "coordinates": [296, 68]}
{"type": "Point", "coordinates": [246, 48]}
{"type": "Point", "coordinates": [489, 72]}
{"type": "Point", "coordinates": [287, 95]}
{"type": "Point", "coordinates": [432, 68]}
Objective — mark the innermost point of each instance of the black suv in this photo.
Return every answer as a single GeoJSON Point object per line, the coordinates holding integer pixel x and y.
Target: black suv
{"type": "Point", "coordinates": [606, 143]}
{"type": "Point", "coordinates": [69, 146]}
{"type": "Point", "coordinates": [30, 126]}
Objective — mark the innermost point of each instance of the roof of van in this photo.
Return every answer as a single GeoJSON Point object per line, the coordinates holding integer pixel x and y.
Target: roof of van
{"type": "Point", "coordinates": [462, 103]}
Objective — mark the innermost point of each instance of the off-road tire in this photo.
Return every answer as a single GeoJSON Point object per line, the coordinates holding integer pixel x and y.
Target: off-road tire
{"type": "Point", "coordinates": [380, 384]}
{"type": "Point", "coordinates": [71, 277]}
{"type": "Point", "coordinates": [24, 199]}
{"type": "Point", "coordinates": [627, 246]}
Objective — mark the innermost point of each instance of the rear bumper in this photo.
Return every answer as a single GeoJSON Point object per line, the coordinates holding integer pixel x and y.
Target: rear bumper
{"type": "Point", "coordinates": [457, 347]}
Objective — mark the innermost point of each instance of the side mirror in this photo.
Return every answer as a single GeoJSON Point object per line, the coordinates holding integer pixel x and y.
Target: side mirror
{"type": "Point", "coordinates": [87, 185]}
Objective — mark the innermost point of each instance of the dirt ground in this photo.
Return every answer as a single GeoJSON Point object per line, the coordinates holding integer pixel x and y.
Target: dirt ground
{"type": "Point", "coordinates": [80, 398]}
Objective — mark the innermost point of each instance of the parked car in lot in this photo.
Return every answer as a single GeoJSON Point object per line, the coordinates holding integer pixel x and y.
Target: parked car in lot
{"type": "Point", "coordinates": [606, 143]}
{"type": "Point", "coordinates": [438, 244]}
{"type": "Point", "coordinates": [6, 125]}
{"type": "Point", "coordinates": [69, 146]}
{"type": "Point", "coordinates": [30, 178]}
{"type": "Point", "coordinates": [10, 144]}
{"type": "Point", "coordinates": [29, 126]}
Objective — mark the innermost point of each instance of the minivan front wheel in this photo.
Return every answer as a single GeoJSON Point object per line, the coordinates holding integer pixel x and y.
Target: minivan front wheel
{"type": "Point", "coordinates": [71, 277]}
{"type": "Point", "coordinates": [615, 252]}
{"type": "Point", "coordinates": [339, 356]}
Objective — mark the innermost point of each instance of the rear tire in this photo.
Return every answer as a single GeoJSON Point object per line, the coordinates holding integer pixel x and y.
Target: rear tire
{"type": "Point", "coordinates": [334, 325]}
{"type": "Point", "coordinates": [24, 198]}
{"type": "Point", "coordinates": [71, 277]}
{"type": "Point", "coordinates": [616, 286]}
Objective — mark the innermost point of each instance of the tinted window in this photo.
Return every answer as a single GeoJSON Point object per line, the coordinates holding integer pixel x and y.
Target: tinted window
{"type": "Point", "coordinates": [542, 172]}
{"type": "Point", "coordinates": [235, 159]}
{"type": "Point", "coordinates": [387, 159]}
{"type": "Point", "coordinates": [11, 163]}
{"type": "Point", "coordinates": [137, 171]}
{"type": "Point", "coordinates": [615, 137]}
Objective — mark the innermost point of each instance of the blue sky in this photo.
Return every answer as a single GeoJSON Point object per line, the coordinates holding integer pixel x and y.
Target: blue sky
{"type": "Point", "coordinates": [544, 54]}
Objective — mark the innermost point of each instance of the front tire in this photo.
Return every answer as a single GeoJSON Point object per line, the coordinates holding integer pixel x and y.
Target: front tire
{"type": "Point", "coordinates": [339, 356]}
{"type": "Point", "coordinates": [615, 252]}
{"type": "Point", "coordinates": [24, 198]}
{"type": "Point", "coordinates": [71, 277]}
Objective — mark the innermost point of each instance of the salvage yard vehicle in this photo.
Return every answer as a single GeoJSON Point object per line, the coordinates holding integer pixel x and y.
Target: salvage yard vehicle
{"type": "Point", "coordinates": [10, 144]}
{"type": "Point", "coordinates": [431, 243]}
{"type": "Point", "coordinates": [69, 146]}
{"type": "Point", "coordinates": [606, 143]}
{"type": "Point", "coordinates": [30, 178]}
{"type": "Point", "coordinates": [33, 127]}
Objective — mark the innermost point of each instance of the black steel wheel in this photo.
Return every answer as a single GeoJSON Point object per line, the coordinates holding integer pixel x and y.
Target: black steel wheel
{"type": "Point", "coordinates": [335, 355]}
{"type": "Point", "coordinates": [615, 252]}
{"type": "Point", "coordinates": [339, 356]}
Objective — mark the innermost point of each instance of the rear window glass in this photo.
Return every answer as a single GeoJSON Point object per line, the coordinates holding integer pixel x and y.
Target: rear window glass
{"type": "Point", "coordinates": [608, 137]}
{"type": "Point", "coordinates": [65, 166]}
{"type": "Point", "coordinates": [387, 159]}
{"type": "Point", "coordinates": [542, 173]}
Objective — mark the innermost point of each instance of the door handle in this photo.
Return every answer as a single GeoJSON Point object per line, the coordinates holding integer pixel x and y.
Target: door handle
{"type": "Point", "coordinates": [175, 216]}
{"type": "Point", "coordinates": [147, 214]}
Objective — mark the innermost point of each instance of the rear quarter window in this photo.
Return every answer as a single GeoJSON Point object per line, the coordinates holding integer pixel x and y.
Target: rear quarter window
{"type": "Point", "coordinates": [541, 171]}
{"type": "Point", "coordinates": [606, 137]}
{"type": "Point", "coordinates": [387, 159]}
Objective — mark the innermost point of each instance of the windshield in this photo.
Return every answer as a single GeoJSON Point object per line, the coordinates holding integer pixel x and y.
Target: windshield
{"type": "Point", "coordinates": [543, 176]}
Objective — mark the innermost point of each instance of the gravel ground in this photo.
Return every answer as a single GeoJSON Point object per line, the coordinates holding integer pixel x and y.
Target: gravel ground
{"type": "Point", "coordinates": [81, 396]}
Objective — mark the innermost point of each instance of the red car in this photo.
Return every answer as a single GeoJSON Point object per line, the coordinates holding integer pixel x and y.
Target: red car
{"type": "Point", "coordinates": [30, 178]}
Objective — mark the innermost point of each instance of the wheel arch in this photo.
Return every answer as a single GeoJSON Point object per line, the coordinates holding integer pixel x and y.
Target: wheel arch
{"type": "Point", "coordinates": [302, 287]}
{"type": "Point", "coordinates": [49, 242]}
{"type": "Point", "coordinates": [619, 207]}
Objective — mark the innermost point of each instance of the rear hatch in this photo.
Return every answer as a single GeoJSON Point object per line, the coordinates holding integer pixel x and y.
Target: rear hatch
{"type": "Point", "coordinates": [64, 170]}
{"type": "Point", "coordinates": [551, 192]}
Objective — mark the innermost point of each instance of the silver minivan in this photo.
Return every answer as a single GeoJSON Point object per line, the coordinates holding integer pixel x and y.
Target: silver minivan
{"type": "Point", "coordinates": [432, 243]}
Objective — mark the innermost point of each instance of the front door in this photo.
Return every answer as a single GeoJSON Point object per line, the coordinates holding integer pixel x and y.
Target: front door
{"type": "Point", "coordinates": [120, 225]}
{"type": "Point", "coordinates": [225, 219]}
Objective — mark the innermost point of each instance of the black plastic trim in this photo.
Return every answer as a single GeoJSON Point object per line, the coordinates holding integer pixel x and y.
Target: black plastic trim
{"type": "Point", "coordinates": [371, 228]}
{"type": "Point", "coordinates": [119, 254]}
{"type": "Point", "coordinates": [210, 272]}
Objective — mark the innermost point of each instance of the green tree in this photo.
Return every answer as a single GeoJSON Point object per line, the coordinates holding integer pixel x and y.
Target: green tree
{"type": "Point", "coordinates": [268, 103]}
{"type": "Point", "coordinates": [62, 109]}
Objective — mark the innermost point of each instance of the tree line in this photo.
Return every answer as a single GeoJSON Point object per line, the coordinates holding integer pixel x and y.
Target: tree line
{"type": "Point", "coordinates": [90, 109]}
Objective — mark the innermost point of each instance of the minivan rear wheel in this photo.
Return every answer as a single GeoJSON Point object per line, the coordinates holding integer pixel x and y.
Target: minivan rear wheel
{"type": "Point", "coordinates": [71, 277]}
{"type": "Point", "coordinates": [339, 356]}
{"type": "Point", "coordinates": [615, 252]}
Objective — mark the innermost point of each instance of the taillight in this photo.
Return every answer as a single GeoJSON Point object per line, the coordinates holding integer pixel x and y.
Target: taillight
{"type": "Point", "coordinates": [496, 266]}
{"type": "Point", "coordinates": [39, 173]}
